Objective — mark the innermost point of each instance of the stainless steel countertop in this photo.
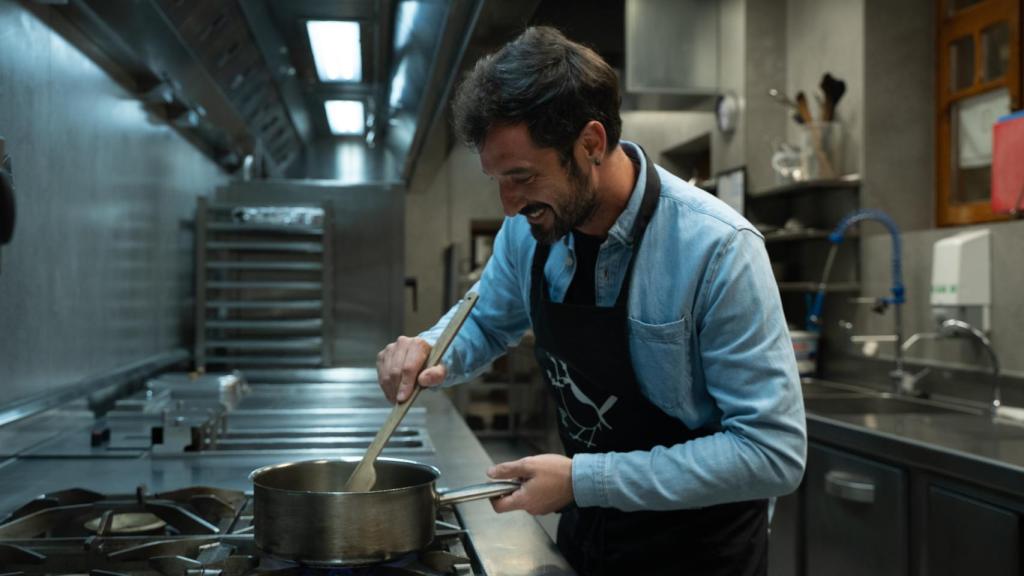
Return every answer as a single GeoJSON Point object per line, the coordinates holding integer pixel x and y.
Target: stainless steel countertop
{"type": "Point", "coordinates": [971, 447]}
{"type": "Point", "coordinates": [507, 544]}
{"type": "Point", "coordinates": [22, 435]}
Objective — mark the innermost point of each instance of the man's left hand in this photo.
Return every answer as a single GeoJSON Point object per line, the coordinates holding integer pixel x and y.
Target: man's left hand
{"type": "Point", "coordinates": [547, 484]}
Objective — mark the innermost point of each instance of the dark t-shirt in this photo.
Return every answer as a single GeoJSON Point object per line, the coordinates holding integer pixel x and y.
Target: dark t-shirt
{"type": "Point", "coordinates": [581, 290]}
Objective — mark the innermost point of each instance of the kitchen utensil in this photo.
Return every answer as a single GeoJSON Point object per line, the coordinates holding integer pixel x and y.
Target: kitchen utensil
{"type": "Point", "coordinates": [803, 108]}
{"type": "Point", "coordinates": [834, 89]}
{"type": "Point", "coordinates": [298, 515]}
{"type": "Point", "coordinates": [363, 477]}
{"type": "Point", "coordinates": [781, 97]}
{"type": "Point", "coordinates": [821, 101]}
{"type": "Point", "coordinates": [814, 138]}
{"type": "Point", "coordinates": [820, 149]}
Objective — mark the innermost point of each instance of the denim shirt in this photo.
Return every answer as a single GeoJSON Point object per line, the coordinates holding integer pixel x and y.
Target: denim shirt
{"type": "Point", "coordinates": [708, 343]}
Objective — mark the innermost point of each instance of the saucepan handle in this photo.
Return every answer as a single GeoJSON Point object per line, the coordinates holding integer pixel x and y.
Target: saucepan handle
{"type": "Point", "coordinates": [477, 492]}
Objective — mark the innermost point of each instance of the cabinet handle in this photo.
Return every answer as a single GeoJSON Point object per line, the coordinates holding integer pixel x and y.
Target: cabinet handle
{"type": "Point", "coordinates": [847, 486]}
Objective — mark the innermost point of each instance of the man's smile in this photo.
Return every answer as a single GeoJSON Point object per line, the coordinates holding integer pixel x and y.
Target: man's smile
{"type": "Point", "coordinates": [534, 212]}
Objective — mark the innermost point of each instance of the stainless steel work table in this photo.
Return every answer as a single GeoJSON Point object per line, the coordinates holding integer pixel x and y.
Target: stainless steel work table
{"type": "Point", "coordinates": [507, 544]}
{"type": "Point", "coordinates": [969, 446]}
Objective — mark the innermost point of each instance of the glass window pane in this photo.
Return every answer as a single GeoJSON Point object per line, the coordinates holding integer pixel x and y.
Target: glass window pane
{"type": "Point", "coordinates": [995, 50]}
{"type": "Point", "coordinates": [961, 63]}
{"type": "Point", "coordinates": [954, 6]}
{"type": "Point", "coordinates": [972, 123]}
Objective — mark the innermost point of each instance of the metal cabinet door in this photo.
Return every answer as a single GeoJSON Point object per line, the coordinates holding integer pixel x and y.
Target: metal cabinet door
{"type": "Point", "coordinates": [856, 516]}
{"type": "Point", "coordinates": [784, 537]}
{"type": "Point", "coordinates": [968, 536]}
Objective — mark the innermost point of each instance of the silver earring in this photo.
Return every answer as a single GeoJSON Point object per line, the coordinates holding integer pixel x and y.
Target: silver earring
{"type": "Point", "coordinates": [596, 161]}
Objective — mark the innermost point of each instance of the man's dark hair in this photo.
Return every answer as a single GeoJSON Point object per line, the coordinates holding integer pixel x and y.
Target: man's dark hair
{"type": "Point", "coordinates": [546, 81]}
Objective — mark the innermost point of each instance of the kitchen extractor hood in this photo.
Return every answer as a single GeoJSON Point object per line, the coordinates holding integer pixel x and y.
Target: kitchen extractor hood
{"type": "Point", "coordinates": [239, 78]}
{"type": "Point", "coordinates": [671, 54]}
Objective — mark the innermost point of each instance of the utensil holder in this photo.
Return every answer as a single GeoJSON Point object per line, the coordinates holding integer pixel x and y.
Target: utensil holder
{"type": "Point", "coordinates": [821, 151]}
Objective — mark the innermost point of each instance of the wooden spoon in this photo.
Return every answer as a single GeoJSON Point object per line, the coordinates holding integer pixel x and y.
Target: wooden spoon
{"type": "Point", "coordinates": [364, 476]}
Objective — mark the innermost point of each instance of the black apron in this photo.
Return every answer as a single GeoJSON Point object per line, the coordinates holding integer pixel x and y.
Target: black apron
{"type": "Point", "coordinates": [584, 354]}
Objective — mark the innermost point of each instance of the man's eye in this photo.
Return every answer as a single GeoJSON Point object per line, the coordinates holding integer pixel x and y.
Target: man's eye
{"type": "Point", "coordinates": [525, 179]}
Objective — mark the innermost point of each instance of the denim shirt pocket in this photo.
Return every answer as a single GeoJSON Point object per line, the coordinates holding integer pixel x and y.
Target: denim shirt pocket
{"type": "Point", "coordinates": [661, 356]}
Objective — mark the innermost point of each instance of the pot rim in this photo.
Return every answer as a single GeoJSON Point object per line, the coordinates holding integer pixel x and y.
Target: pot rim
{"type": "Point", "coordinates": [402, 461]}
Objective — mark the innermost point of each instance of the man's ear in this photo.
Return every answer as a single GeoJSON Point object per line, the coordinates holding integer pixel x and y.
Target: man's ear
{"type": "Point", "coordinates": [593, 140]}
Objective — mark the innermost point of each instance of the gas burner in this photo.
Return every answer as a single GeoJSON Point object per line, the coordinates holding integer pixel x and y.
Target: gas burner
{"type": "Point", "coordinates": [196, 530]}
{"type": "Point", "coordinates": [77, 512]}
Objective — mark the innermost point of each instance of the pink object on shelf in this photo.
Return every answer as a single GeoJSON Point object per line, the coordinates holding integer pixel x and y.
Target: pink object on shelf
{"type": "Point", "coordinates": [1008, 164]}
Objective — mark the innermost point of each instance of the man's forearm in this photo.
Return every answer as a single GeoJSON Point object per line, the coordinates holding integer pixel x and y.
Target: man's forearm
{"type": "Point", "coordinates": [723, 467]}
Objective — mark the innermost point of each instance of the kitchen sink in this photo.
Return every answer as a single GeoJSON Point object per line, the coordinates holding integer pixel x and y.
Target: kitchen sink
{"type": "Point", "coordinates": [881, 404]}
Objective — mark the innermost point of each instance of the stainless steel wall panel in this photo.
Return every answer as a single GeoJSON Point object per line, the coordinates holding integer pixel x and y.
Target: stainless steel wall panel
{"type": "Point", "coordinates": [99, 273]}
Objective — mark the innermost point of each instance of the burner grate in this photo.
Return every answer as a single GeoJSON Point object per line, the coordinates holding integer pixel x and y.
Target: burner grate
{"type": "Point", "coordinates": [196, 510]}
{"type": "Point", "coordinates": [205, 531]}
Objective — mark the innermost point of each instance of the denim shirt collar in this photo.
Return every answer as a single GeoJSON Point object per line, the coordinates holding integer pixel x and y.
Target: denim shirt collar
{"type": "Point", "coordinates": [622, 229]}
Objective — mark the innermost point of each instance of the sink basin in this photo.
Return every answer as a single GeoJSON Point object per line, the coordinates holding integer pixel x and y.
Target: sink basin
{"type": "Point", "coordinates": [848, 404]}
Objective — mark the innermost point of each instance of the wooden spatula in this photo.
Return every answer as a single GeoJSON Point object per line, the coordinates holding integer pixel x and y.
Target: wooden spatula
{"type": "Point", "coordinates": [364, 476]}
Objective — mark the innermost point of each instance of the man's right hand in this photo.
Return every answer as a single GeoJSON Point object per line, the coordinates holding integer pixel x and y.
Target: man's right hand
{"type": "Point", "coordinates": [399, 365]}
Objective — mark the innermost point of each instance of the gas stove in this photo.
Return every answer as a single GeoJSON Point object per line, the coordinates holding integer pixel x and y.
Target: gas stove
{"type": "Point", "coordinates": [194, 531]}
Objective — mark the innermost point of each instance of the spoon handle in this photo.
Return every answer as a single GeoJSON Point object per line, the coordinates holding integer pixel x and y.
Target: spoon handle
{"type": "Point", "coordinates": [364, 476]}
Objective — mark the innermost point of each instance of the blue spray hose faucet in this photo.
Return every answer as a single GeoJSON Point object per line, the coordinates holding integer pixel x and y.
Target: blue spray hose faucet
{"type": "Point", "coordinates": [836, 238]}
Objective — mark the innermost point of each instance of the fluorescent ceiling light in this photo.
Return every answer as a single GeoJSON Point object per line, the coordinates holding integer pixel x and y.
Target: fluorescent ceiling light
{"type": "Point", "coordinates": [406, 19]}
{"type": "Point", "coordinates": [398, 83]}
{"type": "Point", "coordinates": [337, 50]}
{"type": "Point", "coordinates": [345, 117]}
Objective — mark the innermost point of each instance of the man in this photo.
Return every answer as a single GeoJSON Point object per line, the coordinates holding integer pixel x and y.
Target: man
{"type": "Point", "coordinates": [657, 320]}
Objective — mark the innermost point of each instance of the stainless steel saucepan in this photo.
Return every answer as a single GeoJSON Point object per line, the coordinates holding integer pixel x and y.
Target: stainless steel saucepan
{"type": "Point", "coordinates": [299, 513]}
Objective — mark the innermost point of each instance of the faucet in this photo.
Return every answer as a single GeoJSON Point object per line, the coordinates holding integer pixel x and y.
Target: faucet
{"type": "Point", "coordinates": [953, 328]}
{"type": "Point", "coordinates": [897, 298]}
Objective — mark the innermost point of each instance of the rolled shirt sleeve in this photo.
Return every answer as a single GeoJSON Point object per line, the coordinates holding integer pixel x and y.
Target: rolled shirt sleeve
{"type": "Point", "coordinates": [498, 320]}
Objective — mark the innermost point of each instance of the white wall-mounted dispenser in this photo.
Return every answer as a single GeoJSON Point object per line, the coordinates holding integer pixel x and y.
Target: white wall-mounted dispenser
{"type": "Point", "coordinates": [962, 278]}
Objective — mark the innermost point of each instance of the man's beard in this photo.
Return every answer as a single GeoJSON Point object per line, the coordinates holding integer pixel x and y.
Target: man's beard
{"type": "Point", "coordinates": [572, 211]}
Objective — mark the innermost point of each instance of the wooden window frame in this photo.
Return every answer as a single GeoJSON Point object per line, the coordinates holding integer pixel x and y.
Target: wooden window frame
{"type": "Point", "coordinates": [970, 21]}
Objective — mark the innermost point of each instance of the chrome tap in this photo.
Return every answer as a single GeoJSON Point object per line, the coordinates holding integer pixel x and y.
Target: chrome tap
{"type": "Point", "coordinates": [953, 328]}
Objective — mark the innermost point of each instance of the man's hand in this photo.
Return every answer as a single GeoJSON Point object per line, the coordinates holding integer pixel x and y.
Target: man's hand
{"type": "Point", "coordinates": [547, 484]}
{"type": "Point", "coordinates": [399, 365]}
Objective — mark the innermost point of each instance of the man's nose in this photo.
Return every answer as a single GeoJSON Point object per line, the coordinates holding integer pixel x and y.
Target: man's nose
{"type": "Point", "coordinates": [511, 200]}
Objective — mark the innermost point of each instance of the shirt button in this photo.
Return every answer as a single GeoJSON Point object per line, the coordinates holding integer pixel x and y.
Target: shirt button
{"type": "Point", "coordinates": [568, 261]}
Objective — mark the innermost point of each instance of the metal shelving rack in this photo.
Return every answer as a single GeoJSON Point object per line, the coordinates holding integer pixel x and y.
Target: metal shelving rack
{"type": "Point", "coordinates": [263, 289]}
{"type": "Point", "coordinates": [819, 204]}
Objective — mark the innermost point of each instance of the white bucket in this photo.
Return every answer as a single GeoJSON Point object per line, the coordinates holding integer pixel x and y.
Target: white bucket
{"type": "Point", "coordinates": [805, 347]}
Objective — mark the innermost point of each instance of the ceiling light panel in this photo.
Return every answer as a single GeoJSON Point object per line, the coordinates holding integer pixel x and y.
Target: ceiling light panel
{"type": "Point", "coordinates": [345, 117]}
{"type": "Point", "coordinates": [337, 50]}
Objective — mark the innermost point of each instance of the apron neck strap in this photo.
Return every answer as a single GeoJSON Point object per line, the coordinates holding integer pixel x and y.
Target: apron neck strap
{"type": "Point", "coordinates": [652, 190]}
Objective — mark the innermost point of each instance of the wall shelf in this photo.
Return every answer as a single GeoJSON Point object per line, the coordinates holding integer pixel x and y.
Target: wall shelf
{"type": "Point", "coordinates": [813, 287]}
{"type": "Point", "coordinates": [843, 183]}
{"type": "Point", "coordinates": [798, 255]}
{"type": "Point", "coordinates": [799, 235]}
